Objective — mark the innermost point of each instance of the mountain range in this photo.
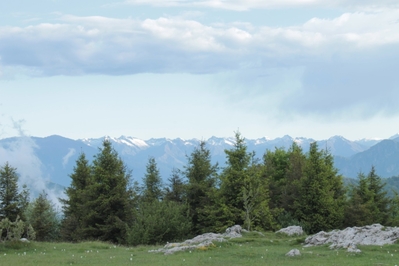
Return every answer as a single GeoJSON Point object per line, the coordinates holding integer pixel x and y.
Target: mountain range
{"type": "Point", "coordinates": [49, 161]}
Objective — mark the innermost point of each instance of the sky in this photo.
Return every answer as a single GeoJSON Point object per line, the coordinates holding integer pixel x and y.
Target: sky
{"type": "Point", "coordinates": [196, 69]}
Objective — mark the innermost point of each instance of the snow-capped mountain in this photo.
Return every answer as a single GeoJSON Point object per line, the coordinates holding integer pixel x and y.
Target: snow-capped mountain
{"type": "Point", "coordinates": [51, 159]}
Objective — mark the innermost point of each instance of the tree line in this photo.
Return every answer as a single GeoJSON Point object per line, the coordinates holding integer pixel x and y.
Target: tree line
{"type": "Point", "coordinates": [285, 187]}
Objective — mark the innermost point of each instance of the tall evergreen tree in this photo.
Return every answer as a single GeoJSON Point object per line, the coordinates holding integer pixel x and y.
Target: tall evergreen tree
{"type": "Point", "coordinates": [322, 199]}
{"type": "Point", "coordinates": [233, 180]}
{"type": "Point", "coordinates": [201, 175]}
{"type": "Point", "coordinates": [176, 189]}
{"type": "Point", "coordinates": [74, 206]}
{"type": "Point", "coordinates": [152, 189]}
{"type": "Point", "coordinates": [256, 197]}
{"type": "Point", "coordinates": [12, 202]}
{"type": "Point", "coordinates": [44, 219]}
{"type": "Point", "coordinates": [368, 202]}
{"type": "Point", "coordinates": [108, 206]}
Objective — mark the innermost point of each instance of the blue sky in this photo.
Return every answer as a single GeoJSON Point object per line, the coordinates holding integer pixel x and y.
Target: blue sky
{"type": "Point", "coordinates": [194, 69]}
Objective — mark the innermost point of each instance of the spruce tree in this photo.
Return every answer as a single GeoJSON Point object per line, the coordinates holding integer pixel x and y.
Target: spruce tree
{"type": "Point", "coordinates": [108, 206]}
{"type": "Point", "coordinates": [12, 203]}
{"type": "Point", "coordinates": [74, 206]}
{"type": "Point", "coordinates": [176, 189]}
{"type": "Point", "coordinates": [201, 176]}
{"type": "Point", "coordinates": [256, 197]}
{"type": "Point", "coordinates": [44, 219]}
{"type": "Point", "coordinates": [232, 182]}
{"type": "Point", "coordinates": [152, 189]}
{"type": "Point", "coordinates": [322, 195]}
{"type": "Point", "coordinates": [368, 202]}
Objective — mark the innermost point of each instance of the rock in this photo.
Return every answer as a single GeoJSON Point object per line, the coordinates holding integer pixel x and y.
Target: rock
{"type": "Point", "coordinates": [293, 253]}
{"type": "Point", "coordinates": [200, 242]}
{"type": "Point", "coordinates": [353, 249]}
{"type": "Point", "coordinates": [375, 234]}
{"type": "Point", "coordinates": [24, 240]}
{"type": "Point", "coordinates": [234, 231]}
{"type": "Point", "coordinates": [291, 230]}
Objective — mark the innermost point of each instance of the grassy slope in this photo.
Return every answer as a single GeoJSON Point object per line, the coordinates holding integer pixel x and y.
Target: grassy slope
{"type": "Point", "coordinates": [252, 249]}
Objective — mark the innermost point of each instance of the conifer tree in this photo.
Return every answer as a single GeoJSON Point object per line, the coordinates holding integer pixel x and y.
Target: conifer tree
{"type": "Point", "coordinates": [12, 203]}
{"type": "Point", "coordinates": [322, 198]}
{"type": "Point", "coordinates": [256, 198]}
{"type": "Point", "coordinates": [176, 189]}
{"type": "Point", "coordinates": [74, 206]}
{"type": "Point", "coordinates": [108, 206]}
{"type": "Point", "coordinates": [152, 189]}
{"type": "Point", "coordinates": [201, 175]}
{"type": "Point", "coordinates": [232, 182]}
{"type": "Point", "coordinates": [368, 202]}
{"type": "Point", "coordinates": [44, 219]}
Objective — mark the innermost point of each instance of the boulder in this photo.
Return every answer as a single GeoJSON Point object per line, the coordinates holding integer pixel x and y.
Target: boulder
{"type": "Point", "coordinates": [375, 234]}
{"type": "Point", "coordinates": [24, 240]}
{"type": "Point", "coordinates": [291, 230]}
{"type": "Point", "coordinates": [201, 241]}
{"type": "Point", "coordinates": [293, 253]}
{"type": "Point", "coordinates": [353, 249]}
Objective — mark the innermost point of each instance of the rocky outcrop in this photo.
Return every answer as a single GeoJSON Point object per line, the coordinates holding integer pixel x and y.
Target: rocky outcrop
{"type": "Point", "coordinates": [293, 253]}
{"type": "Point", "coordinates": [200, 242]}
{"type": "Point", "coordinates": [291, 230]}
{"type": "Point", "coordinates": [375, 234]}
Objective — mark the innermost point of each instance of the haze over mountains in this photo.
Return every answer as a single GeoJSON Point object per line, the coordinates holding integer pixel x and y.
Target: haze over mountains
{"type": "Point", "coordinates": [51, 159]}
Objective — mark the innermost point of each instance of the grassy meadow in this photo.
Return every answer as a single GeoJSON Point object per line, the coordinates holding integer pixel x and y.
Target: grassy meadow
{"type": "Point", "coordinates": [252, 249]}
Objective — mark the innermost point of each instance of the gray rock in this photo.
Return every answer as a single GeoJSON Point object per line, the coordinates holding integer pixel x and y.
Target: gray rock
{"type": "Point", "coordinates": [201, 241]}
{"type": "Point", "coordinates": [353, 249]}
{"type": "Point", "coordinates": [375, 234]}
{"type": "Point", "coordinates": [293, 253]}
{"type": "Point", "coordinates": [24, 240]}
{"type": "Point", "coordinates": [291, 230]}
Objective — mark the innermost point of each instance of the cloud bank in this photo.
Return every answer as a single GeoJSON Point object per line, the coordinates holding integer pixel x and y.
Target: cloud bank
{"type": "Point", "coordinates": [347, 63]}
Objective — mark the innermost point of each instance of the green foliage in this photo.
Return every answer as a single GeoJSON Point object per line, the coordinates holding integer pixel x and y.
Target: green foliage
{"type": "Point", "coordinates": [255, 193]}
{"type": "Point", "coordinates": [369, 203]}
{"type": "Point", "coordinates": [176, 189]}
{"type": "Point", "coordinates": [157, 222]}
{"type": "Point", "coordinates": [12, 203]}
{"type": "Point", "coordinates": [74, 206]}
{"type": "Point", "coordinates": [13, 231]}
{"type": "Point", "coordinates": [233, 180]}
{"type": "Point", "coordinates": [108, 208]}
{"type": "Point", "coordinates": [322, 196]}
{"type": "Point", "coordinates": [43, 217]}
{"type": "Point", "coordinates": [152, 189]}
{"type": "Point", "coordinates": [201, 176]}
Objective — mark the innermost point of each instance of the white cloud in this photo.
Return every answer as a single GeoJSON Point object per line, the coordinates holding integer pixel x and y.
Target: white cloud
{"type": "Point", "coordinates": [66, 158]}
{"type": "Point", "coordinates": [245, 5]}
{"type": "Point", "coordinates": [79, 45]}
{"type": "Point", "coordinates": [343, 59]}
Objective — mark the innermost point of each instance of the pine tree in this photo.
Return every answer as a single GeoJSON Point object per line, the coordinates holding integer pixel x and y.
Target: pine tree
{"type": "Point", "coordinates": [322, 197]}
{"type": "Point", "coordinates": [232, 182]}
{"type": "Point", "coordinates": [201, 175]}
{"type": "Point", "coordinates": [74, 206]}
{"type": "Point", "coordinates": [12, 203]}
{"type": "Point", "coordinates": [108, 206]}
{"type": "Point", "coordinates": [379, 197]}
{"type": "Point", "coordinates": [256, 198]}
{"type": "Point", "coordinates": [43, 217]}
{"type": "Point", "coordinates": [291, 191]}
{"type": "Point", "coordinates": [368, 202]}
{"type": "Point", "coordinates": [176, 189]}
{"type": "Point", "coordinates": [152, 189]}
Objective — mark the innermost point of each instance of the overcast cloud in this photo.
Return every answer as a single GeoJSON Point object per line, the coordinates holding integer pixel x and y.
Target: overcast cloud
{"type": "Point", "coordinates": [324, 67]}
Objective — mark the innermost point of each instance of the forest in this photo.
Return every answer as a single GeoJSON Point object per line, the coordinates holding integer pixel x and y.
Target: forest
{"type": "Point", "coordinates": [285, 187]}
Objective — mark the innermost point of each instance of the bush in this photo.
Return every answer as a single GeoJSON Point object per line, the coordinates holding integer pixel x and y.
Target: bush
{"type": "Point", "coordinates": [158, 222]}
{"type": "Point", "coordinates": [14, 231]}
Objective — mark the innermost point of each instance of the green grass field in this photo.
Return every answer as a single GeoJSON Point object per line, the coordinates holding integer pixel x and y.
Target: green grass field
{"type": "Point", "coordinates": [252, 249]}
